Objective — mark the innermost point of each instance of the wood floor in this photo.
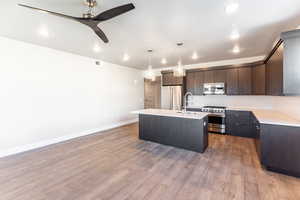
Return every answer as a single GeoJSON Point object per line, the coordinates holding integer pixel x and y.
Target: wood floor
{"type": "Point", "coordinates": [117, 166]}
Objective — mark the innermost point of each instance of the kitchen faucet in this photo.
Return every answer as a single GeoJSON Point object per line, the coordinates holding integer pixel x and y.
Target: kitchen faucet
{"type": "Point", "coordinates": [185, 100]}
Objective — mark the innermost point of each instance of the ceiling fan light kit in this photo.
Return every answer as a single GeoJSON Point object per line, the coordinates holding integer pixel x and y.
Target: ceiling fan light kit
{"type": "Point", "coordinates": [89, 19]}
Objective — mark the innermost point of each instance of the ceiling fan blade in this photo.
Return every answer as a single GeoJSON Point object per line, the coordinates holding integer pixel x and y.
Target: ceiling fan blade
{"type": "Point", "coordinates": [114, 12]}
{"type": "Point", "coordinates": [100, 33]}
{"type": "Point", "coordinates": [49, 12]}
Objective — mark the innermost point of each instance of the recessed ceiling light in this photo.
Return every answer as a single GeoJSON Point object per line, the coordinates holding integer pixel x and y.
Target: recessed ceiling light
{"type": "Point", "coordinates": [195, 56]}
{"type": "Point", "coordinates": [232, 7]}
{"type": "Point", "coordinates": [126, 57]}
{"type": "Point", "coordinates": [235, 35]}
{"type": "Point", "coordinates": [97, 48]}
{"type": "Point", "coordinates": [236, 50]}
{"type": "Point", "coordinates": [43, 31]}
{"type": "Point", "coordinates": [164, 61]}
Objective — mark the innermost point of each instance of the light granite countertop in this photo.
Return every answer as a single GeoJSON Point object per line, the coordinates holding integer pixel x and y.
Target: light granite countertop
{"type": "Point", "coordinates": [172, 113]}
{"type": "Point", "coordinates": [264, 116]}
{"type": "Point", "coordinates": [269, 116]}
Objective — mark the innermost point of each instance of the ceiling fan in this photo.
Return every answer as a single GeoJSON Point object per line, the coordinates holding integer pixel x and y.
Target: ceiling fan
{"type": "Point", "coordinates": [89, 18]}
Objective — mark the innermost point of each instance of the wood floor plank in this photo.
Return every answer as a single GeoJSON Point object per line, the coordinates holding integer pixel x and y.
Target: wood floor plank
{"type": "Point", "coordinates": [116, 165]}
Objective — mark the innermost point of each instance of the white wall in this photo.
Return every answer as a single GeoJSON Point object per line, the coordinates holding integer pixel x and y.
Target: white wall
{"type": "Point", "coordinates": [289, 105]}
{"type": "Point", "coordinates": [48, 95]}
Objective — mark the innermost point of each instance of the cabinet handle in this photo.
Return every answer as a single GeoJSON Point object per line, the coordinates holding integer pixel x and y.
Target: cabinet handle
{"type": "Point", "coordinates": [204, 124]}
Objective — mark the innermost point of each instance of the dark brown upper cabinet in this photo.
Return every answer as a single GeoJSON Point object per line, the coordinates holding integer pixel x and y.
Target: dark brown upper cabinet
{"type": "Point", "coordinates": [198, 83]}
{"type": "Point", "coordinates": [209, 77]}
{"type": "Point", "coordinates": [232, 82]}
{"type": "Point", "coordinates": [194, 82]}
{"type": "Point", "coordinates": [220, 76]}
{"type": "Point", "coordinates": [168, 79]}
{"type": "Point", "coordinates": [190, 82]}
{"type": "Point", "coordinates": [259, 80]}
{"type": "Point", "coordinates": [274, 73]}
{"type": "Point", "coordinates": [245, 80]}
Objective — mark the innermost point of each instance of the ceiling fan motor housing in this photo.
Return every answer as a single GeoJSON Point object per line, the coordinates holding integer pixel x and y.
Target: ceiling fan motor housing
{"type": "Point", "coordinates": [91, 3]}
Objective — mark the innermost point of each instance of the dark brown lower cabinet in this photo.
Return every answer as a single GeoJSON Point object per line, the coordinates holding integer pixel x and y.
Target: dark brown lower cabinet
{"type": "Point", "coordinates": [239, 123]}
{"type": "Point", "coordinates": [277, 146]}
{"type": "Point", "coordinates": [256, 132]}
{"type": "Point", "coordinates": [280, 148]}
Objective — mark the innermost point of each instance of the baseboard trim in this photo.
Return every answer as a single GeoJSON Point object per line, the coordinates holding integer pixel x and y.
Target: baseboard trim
{"type": "Point", "coordinates": [33, 146]}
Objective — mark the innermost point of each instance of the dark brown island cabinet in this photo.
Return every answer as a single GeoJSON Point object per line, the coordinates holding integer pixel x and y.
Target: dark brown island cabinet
{"type": "Point", "coordinates": [189, 134]}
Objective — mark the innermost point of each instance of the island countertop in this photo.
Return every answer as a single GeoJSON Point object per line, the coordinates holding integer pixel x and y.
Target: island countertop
{"type": "Point", "coordinates": [172, 113]}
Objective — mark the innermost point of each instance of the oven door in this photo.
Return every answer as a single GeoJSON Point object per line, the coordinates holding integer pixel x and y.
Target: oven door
{"type": "Point", "coordinates": [216, 123]}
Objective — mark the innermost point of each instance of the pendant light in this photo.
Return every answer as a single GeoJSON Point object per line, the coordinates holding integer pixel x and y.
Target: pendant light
{"type": "Point", "coordinates": [150, 73]}
{"type": "Point", "coordinates": [179, 71]}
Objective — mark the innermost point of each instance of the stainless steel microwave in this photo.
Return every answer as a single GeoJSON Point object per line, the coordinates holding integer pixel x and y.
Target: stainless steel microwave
{"type": "Point", "coordinates": [214, 89]}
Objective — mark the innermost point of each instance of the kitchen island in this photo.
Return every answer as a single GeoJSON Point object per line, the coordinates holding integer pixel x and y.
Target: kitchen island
{"type": "Point", "coordinates": [174, 128]}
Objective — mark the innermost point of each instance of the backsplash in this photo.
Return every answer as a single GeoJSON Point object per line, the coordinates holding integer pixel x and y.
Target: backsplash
{"type": "Point", "coordinates": [289, 105]}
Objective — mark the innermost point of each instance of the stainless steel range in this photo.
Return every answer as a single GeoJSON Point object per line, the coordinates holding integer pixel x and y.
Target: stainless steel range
{"type": "Point", "coordinates": [216, 118]}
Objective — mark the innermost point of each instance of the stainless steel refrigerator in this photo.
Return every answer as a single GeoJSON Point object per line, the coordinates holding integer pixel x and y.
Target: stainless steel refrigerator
{"type": "Point", "coordinates": [171, 97]}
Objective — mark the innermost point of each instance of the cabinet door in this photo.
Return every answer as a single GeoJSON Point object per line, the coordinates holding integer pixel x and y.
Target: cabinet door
{"type": "Point", "coordinates": [238, 123]}
{"type": "Point", "coordinates": [170, 80]}
{"type": "Point", "coordinates": [232, 82]}
{"type": "Point", "coordinates": [280, 148]}
{"type": "Point", "coordinates": [259, 80]}
{"type": "Point", "coordinates": [245, 81]}
{"type": "Point", "coordinates": [209, 77]}
{"type": "Point", "coordinates": [274, 74]}
{"type": "Point", "coordinates": [177, 80]}
{"type": "Point", "coordinates": [190, 82]}
{"type": "Point", "coordinates": [167, 78]}
{"type": "Point", "coordinates": [198, 83]}
{"type": "Point", "coordinates": [152, 93]}
{"type": "Point", "coordinates": [220, 76]}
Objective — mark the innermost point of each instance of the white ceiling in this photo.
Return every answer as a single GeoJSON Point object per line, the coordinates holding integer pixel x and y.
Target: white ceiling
{"type": "Point", "coordinates": [203, 26]}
